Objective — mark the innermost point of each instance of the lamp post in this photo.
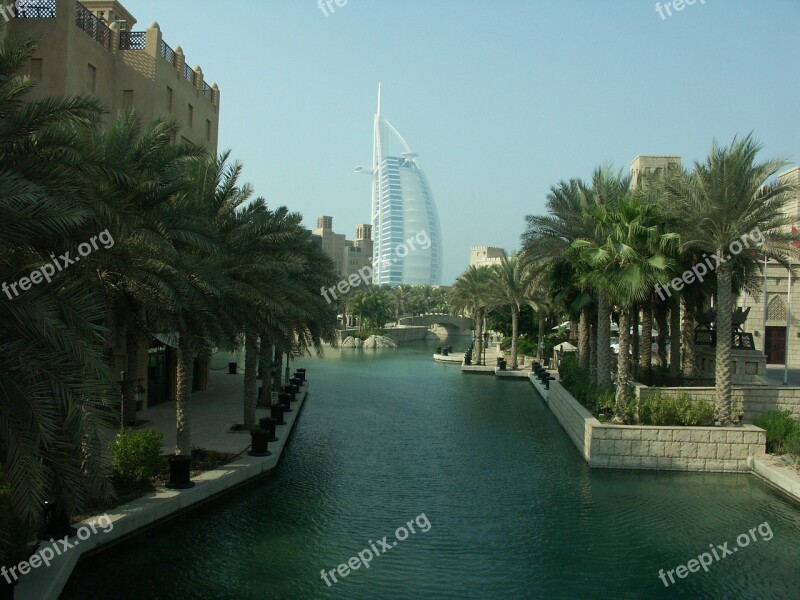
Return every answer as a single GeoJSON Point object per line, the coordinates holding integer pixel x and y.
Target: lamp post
{"type": "Point", "coordinates": [138, 396]}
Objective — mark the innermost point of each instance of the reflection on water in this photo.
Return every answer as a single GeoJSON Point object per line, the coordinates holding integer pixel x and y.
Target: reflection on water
{"type": "Point", "coordinates": [514, 510]}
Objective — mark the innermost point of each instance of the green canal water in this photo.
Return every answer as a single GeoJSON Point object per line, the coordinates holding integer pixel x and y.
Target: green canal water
{"type": "Point", "coordinates": [514, 511]}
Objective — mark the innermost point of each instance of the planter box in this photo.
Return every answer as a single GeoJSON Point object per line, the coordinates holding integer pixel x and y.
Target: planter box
{"type": "Point", "coordinates": [603, 445]}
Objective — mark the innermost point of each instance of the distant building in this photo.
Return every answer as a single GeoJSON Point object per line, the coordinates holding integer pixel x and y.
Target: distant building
{"type": "Point", "coordinates": [90, 48]}
{"type": "Point", "coordinates": [402, 209]}
{"type": "Point", "coordinates": [772, 335]}
{"type": "Point", "coordinates": [646, 164]}
{"type": "Point", "coordinates": [348, 255]}
{"type": "Point", "coordinates": [485, 255]}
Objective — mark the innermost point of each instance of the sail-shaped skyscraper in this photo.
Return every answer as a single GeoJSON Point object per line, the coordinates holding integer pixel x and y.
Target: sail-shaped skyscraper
{"type": "Point", "coordinates": [407, 237]}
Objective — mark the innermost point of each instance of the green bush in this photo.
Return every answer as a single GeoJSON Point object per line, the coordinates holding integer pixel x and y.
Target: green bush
{"type": "Point", "coordinates": [792, 443]}
{"type": "Point", "coordinates": [783, 431]}
{"type": "Point", "coordinates": [681, 410]}
{"type": "Point", "coordinates": [136, 457]}
{"type": "Point", "coordinates": [526, 347]}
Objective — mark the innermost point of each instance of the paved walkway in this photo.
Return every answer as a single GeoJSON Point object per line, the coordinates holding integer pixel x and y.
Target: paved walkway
{"type": "Point", "coordinates": [213, 411]}
{"type": "Point", "coordinates": [775, 376]}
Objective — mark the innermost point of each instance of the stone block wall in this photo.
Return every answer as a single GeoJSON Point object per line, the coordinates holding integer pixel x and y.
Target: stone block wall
{"type": "Point", "coordinates": [722, 449]}
{"type": "Point", "coordinates": [752, 400]}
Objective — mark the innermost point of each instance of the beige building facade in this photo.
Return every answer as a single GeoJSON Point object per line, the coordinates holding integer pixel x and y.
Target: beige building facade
{"type": "Point", "coordinates": [783, 300]}
{"type": "Point", "coordinates": [645, 164]}
{"type": "Point", "coordinates": [90, 48]}
{"type": "Point", "coordinates": [485, 255]}
{"type": "Point", "coordinates": [349, 256]}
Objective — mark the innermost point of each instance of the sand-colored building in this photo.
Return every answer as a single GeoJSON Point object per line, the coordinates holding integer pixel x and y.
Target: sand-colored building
{"type": "Point", "coordinates": [485, 255]}
{"type": "Point", "coordinates": [348, 255]}
{"type": "Point", "coordinates": [92, 48]}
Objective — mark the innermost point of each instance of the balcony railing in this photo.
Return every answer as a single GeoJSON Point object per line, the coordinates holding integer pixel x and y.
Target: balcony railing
{"type": "Point", "coordinates": [207, 91]}
{"type": "Point", "coordinates": [188, 73]}
{"type": "Point", "coordinates": [93, 27]}
{"type": "Point", "coordinates": [167, 53]}
{"type": "Point", "coordinates": [36, 9]}
{"type": "Point", "coordinates": [132, 40]}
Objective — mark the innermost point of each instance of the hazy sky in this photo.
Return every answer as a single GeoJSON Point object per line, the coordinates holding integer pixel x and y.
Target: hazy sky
{"type": "Point", "coordinates": [501, 99]}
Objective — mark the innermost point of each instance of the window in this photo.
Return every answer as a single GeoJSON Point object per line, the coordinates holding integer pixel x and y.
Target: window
{"type": "Point", "coordinates": [169, 99]}
{"type": "Point", "coordinates": [91, 79]}
{"type": "Point", "coordinates": [191, 116]}
{"type": "Point", "coordinates": [36, 68]}
{"type": "Point", "coordinates": [208, 130]}
{"type": "Point", "coordinates": [127, 99]}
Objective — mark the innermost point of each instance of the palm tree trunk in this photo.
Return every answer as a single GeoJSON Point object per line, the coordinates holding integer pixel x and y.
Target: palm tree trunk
{"type": "Point", "coordinates": [593, 354]}
{"type": "Point", "coordinates": [132, 340]}
{"type": "Point", "coordinates": [514, 334]}
{"type": "Point", "coordinates": [724, 342]}
{"type": "Point", "coordinates": [646, 347]}
{"type": "Point", "coordinates": [675, 338]}
{"type": "Point", "coordinates": [573, 331]}
{"type": "Point", "coordinates": [635, 341]}
{"type": "Point", "coordinates": [583, 339]}
{"type": "Point", "coordinates": [183, 401]}
{"type": "Point", "coordinates": [540, 344]}
{"type": "Point", "coordinates": [603, 339]}
{"type": "Point", "coordinates": [687, 335]}
{"type": "Point", "coordinates": [276, 379]}
{"type": "Point", "coordinates": [478, 335]}
{"type": "Point", "coordinates": [250, 366]}
{"type": "Point", "coordinates": [623, 362]}
{"type": "Point", "coordinates": [661, 321]}
{"type": "Point", "coordinates": [265, 364]}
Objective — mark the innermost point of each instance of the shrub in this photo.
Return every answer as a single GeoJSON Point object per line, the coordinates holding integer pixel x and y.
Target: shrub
{"type": "Point", "coordinates": [526, 347]}
{"type": "Point", "coordinates": [681, 410]}
{"type": "Point", "coordinates": [782, 431]}
{"type": "Point", "coordinates": [136, 457]}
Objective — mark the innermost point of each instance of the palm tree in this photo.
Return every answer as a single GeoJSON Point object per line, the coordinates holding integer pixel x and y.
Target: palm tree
{"type": "Point", "coordinates": [728, 199]}
{"type": "Point", "coordinates": [512, 285]}
{"type": "Point", "coordinates": [548, 237]}
{"type": "Point", "coordinates": [471, 295]}
{"type": "Point", "coordinates": [56, 393]}
{"type": "Point", "coordinates": [626, 266]}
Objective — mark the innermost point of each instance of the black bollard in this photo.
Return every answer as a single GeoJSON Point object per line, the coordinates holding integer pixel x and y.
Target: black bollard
{"type": "Point", "coordinates": [286, 400]}
{"type": "Point", "coordinates": [268, 424]}
{"type": "Point", "coordinates": [180, 468]}
{"type": "Point", "coordinates": [276, 412]}
{"type": "Point", "coordinates": [260, 443]}
{"type": "Point", "coordinates": [231, 368]}
{"type": "Point", "coordinates": [291, 390]}
{"type": "Point", "coordinates": [56, 523]}
{"type": "Point", "coordinates": [438, 349]}
{"type": "Point", "coordinates": [300, 376]}
{"type": "Point", "coordinates": [296, 381]}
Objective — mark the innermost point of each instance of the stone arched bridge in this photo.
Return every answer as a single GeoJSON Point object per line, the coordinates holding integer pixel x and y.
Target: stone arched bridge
{"type": "Point", "coordinates": [454, 324]}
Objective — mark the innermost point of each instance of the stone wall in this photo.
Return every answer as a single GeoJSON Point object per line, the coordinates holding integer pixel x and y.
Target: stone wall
{"type": "Point", "coordinates": [603, 445]}
{"type": "Point", "coordinates": [752, 400]}
{"type": "Point", "coordinates": [747, 366]}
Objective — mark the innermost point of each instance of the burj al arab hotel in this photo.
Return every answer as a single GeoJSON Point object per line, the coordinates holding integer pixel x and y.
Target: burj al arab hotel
{"type": "Point", "coordinates": [407, 237]}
